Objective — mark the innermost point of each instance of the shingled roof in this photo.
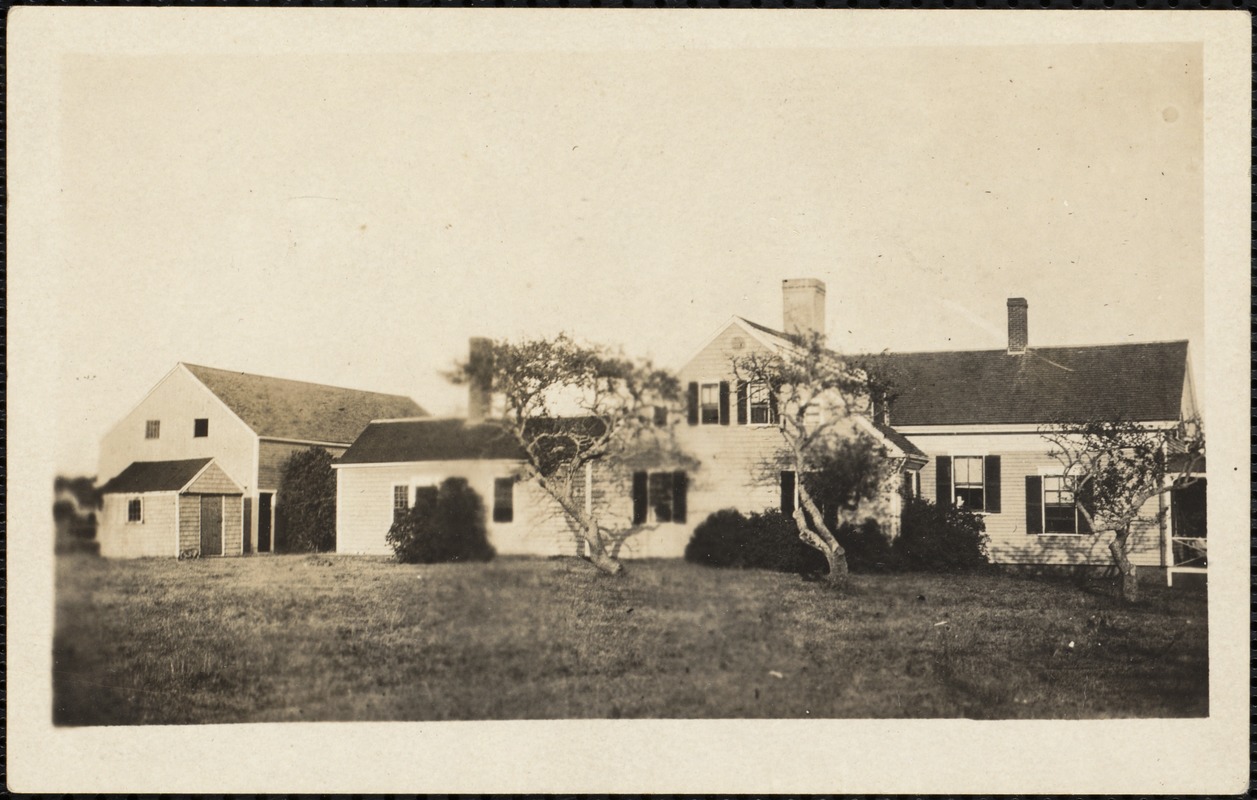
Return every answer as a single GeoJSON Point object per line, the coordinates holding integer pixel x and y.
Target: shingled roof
{"type": "Point", "coordinates": [1140, 382]}
{"type": "Point", "coordinates": [310, 412]}
{"type": "Point", "coordinates": [155, 476]}
{"type": "Point", "coordinates": [406, 440]}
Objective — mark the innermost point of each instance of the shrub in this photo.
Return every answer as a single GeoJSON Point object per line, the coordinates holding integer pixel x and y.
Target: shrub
{"type": "Point", "coordinates": [767, 540]}
{"type": "Point", "coordinates": [305, 509]}
{"type": "Point", "coordinates": [936, 538]}
{"type": "Point", "coordinates": [868, 549]}
{"type": "Point", "coordinates": [445, 525]}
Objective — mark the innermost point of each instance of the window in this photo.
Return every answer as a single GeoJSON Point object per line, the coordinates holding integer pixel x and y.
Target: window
{"type": "Point", "coordinates": [759, 405]}
{"type": "Point", "coordinates": [135, 510]}
{"type": "Point", "coordinates": [503, 499]}
{"type": "Point", "coordinates": [659, 497]}
{"type": "Point", "coordinates": [401, 501]}
{"type": "Point", "coordinates": [709, 404]}
{"type": "Point", "coordinates": [967, 483]}
{"type": "Point", "coordinates": [1060, 506]}
{"type": "Point", "coordinates": [971, 482]}
{"type": "Point", "coordinates": [200, 428]}
{"type": "Point", "coordinates": [152, 429]}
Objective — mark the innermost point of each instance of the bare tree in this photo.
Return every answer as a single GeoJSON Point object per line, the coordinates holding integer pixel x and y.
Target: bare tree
{"type": "Point", "coordinates": [569, 405]}
{"type": "Point", "coordinates": [1115, 467]}
{"type": "Point", "coordinates": [820, 403]}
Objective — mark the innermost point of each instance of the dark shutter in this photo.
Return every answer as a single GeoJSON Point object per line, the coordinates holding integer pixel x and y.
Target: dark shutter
{"type": "Point", "coordinates": [787, 493]}
{"type": "Point", "coordinates": [772, 404]}
{"type": "Point", "coordinates": [691, 397]}
{"type": "Point", "coordinates": [724, 402]}
{"type": "Point", "coordinates": [639, 498]}
{"type": "Point", "coordinates": [942, 481]}
{"type": "Point", "coordinates": [680, 486]}
{"type": "Point", "coordinates": [990, 475]}
{"type": "Point", "coordinates": [661, 416]}
{"type": "Point", "coordinates": [741, 402]}
{"type": "Point", "coordinates": [1034, 504]}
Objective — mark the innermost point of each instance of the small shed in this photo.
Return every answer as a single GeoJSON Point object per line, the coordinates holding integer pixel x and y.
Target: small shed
{"type": "Point", "coordinates": [185, 508]}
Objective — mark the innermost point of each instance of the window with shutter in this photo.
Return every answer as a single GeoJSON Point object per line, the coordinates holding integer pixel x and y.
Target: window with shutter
{"type": "Point", "coordinates": [942, 481]}
{"type": "Point", "coordinates": [991, 476]}
{"type": "Point", "coordinates": [691, 403]}
{"type": "Point", "coordinates": [503, 499]}
{"type": "Point", "coordinates": [680, 496]}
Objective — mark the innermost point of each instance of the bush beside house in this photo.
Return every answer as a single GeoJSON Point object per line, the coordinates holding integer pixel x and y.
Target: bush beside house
{"type": "Point", "coordinates": [306, 507]}
{"type": "Point", "coordinates": [936, 538]}
{"type": "Point", "coordinates": [444, 524]}
{"type": "Point", "coordinates": [932, 539]}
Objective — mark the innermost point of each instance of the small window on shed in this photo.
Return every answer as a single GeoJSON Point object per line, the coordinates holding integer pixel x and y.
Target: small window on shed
{"type": "Point", "coordinates": [503, 499]}
{"type": "Point", "coordinates": [200, 428]}
{"type": "Point", "coordinates": [152, 429]}
{"type": "Point", "coordinates": [135, 510]}
{"type": "Point", "coordinates": [401, 501]}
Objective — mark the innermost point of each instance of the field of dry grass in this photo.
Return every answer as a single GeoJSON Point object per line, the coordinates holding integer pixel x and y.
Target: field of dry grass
{"type": "Point", "coordinates": [337, 638]}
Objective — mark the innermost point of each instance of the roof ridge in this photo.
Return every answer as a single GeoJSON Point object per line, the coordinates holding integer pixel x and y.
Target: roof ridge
{"type": "Point", "coordinates": [1029, 349]}
{"type": "Point", "coordinates": [293, 380]}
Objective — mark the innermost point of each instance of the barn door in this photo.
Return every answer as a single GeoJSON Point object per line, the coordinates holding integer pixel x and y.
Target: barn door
{"type": "Point", "coordinates": [264, 522]}
{"type": "Point", "coordinates": [211, 525]}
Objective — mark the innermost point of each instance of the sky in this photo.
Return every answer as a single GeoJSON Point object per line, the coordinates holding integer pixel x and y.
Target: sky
{"type": "Point", "coordinates": [353, 218]}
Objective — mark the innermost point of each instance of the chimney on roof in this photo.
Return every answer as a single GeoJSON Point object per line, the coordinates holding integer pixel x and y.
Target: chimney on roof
{"type": "Point", "coordinates": [479, 378]}
{"type": "Point", "coordinates": [803, 305]}
{"type": "Point", "coordinates": [1018, 327]}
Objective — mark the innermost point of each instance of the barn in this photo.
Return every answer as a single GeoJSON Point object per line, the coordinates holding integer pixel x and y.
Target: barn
{"type": "Point", "coordinates": [185, 508]}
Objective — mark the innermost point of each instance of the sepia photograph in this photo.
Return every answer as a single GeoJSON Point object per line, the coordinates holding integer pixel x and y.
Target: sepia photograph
{"type": "Point", "coordinates": [419, 372]}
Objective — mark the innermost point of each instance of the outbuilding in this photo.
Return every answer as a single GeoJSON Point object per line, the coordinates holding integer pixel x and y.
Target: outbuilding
{"type": "Point", "coordinates": [186, 508]}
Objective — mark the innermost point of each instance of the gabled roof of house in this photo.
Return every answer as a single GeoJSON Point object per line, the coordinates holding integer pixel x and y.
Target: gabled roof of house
{"type": "Point", "coordinates": [899, 440]}
{"type": "Point", "coordinates": [155, 476]}
{"type": "Point", "coordinates": [311, 412]}
{"type": "Point", "coordinates": [1141, 382]}
{"type": "Point", "coordinates": [407, 440]}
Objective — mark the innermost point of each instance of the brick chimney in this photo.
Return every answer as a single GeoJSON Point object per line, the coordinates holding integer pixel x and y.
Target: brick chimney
{"type": "Point", "coordinates": [803, 305]}
{"type": "Point", "coordinates": [480, 378]}
{"type": "Point", "coordinates": [1018, 327]}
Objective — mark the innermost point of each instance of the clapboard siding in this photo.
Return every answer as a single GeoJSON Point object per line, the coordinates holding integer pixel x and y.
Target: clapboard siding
{"type": "Point", "coordinates": [1022, 455]}
{"type": "Point", "coordinates": [272, 455]}
{"type": "Point", "coordinates": [175, 402]}
{"type": "Point", "coordinates": [155, 536]}
{"type": "Point", "coordinates": [364, 507]}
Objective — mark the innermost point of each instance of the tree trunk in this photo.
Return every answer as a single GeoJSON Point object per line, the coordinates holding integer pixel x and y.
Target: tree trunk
{"type": "Point", "coordinates": [591, 532]}
{"type": "Point", "coordinates": [598, 555]}
{"type": "Point", "coordinates": [1130, 581]}
{"type": "Point", "coordinates": [835, 556]}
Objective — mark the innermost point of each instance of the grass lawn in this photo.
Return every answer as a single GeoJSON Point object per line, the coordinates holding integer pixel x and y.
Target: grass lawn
{"type": "Point", "coordinates": [337, 638]}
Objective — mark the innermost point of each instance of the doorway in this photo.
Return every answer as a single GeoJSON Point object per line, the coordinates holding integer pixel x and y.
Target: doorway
{"type": "Point", "coordinates": [211, 525]}
{"type": "Point", "coordinates": [264, 522]}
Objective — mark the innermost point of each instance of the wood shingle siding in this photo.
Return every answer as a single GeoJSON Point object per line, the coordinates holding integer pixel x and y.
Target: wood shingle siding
{"type": "Point", "coordinates": [271, 458]}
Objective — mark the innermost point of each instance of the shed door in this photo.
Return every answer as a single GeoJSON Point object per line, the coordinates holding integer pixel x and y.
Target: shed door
{"type": "Point", "coordinates": [211, 525]}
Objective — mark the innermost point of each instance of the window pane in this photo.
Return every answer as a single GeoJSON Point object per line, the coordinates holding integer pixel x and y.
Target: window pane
{"type": "Point", "coordinates": [503, 499]}
{"type": "Point", "coordinates": [152, 429]}
{"type": "Point", "coordinates": [401, 497]}
{"type": "Point", "coordinates": [659, 494]}
{"type": "Point", "coordinates": [709, 404]}
{"type": "Point", "coordinates": [1059, 519]}
{"type": "Point", "coordinates": [969, 498]}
